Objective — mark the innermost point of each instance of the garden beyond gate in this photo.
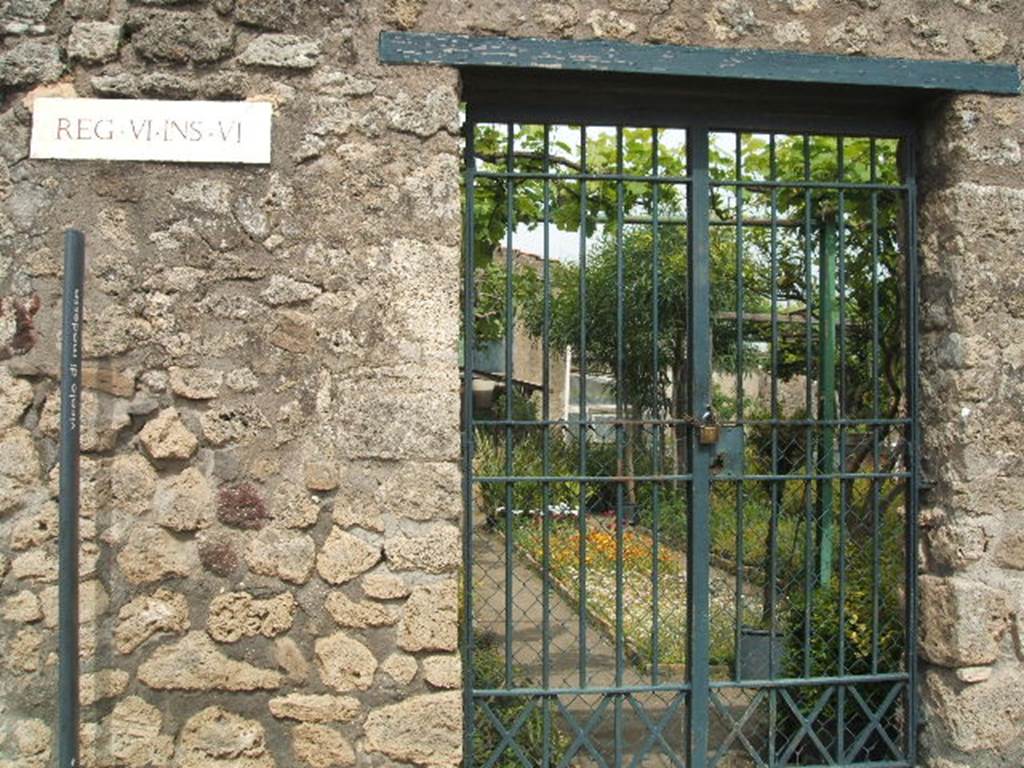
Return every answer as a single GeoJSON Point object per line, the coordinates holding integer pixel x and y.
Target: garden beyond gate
{"type": "Point", "coordinates": [690, 430]}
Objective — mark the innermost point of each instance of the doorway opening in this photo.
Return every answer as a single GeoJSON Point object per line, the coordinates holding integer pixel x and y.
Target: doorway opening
{"type": "Point", "coordinates": [689, 437]}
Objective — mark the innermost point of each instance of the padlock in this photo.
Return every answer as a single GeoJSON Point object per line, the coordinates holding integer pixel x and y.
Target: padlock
{"type": "Point", "coordinates": [709, 429]}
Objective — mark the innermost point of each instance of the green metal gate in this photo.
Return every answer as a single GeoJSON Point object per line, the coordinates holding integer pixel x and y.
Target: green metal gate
{"type": "Point", "coordinates": [689, 441]}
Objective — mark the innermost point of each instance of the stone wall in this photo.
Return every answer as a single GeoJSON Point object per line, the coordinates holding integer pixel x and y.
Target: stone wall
{"type": "Point", "coordinates": [271, 491]}
{"type": "Point", "coordinates": [972, 598]}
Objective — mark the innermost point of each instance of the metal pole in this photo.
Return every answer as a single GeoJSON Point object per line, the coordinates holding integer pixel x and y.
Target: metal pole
{"type": "Point", "coordinates": [698, 614]}
{"type": "Point", "coordinates": [827, 401]}
{"type": "Point", "coordinates": [70, 417]}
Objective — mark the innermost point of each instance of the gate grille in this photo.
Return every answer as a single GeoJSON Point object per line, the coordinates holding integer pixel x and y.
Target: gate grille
{"type": "Point", "coordinates": [689, 422]}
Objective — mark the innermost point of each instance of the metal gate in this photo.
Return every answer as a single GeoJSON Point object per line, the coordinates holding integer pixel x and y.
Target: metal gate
{"type": "Point", "coordinates": [689, 444]}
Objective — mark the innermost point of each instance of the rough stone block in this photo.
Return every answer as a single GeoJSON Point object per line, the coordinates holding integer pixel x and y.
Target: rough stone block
{"type": "Point", "coordinates": [962, 621]}
{"type": "Point", "coordinates": [150, 554]}
{"type": "Point", "coordinates": [15, 398]}
{"type": "Point", "coordinates": [132, 484]}
{"type": "Point", "coordinates": [955, 545]}
{"type": "Point", "coordinates": [443, 671]}
{"type": "Point", "coordinates": [31, 530]}
{"type": "Point", "coordinates": [320, 475]}
{"type": "Point", "coordinates": [320, 746]}
{"type": "Point", "coordinates": [195, 383]}
{"type": "Point", "coordinates": [35, 565]}
{"type": "Point", "coordinates": [265, 14]}
{"type": "Point", "coordinates": [184, 502]}
{"type": "Point", "coordinates": [181, 36]}
{"type": "Point", "coordinates": [242, 380]}
{"type": "Point", "coordinates": [286, 290]}
{"type": "Point", "coordinates": [419, 491]}
{"type": "Point", "coordinates": [147, 615]}
{"type": "Point", "coordinates": [104, 684]}
{"type": "Point", "coordinates": [217, 738]}
{"type": "Point", "coordinates": [430, 619]}
{"type": "Point", "coordinates": [18, 457]}
{"type": "Point", "coordinates": [22, 654]}
{"type": "Point", "coordinates": [166, 437]}
{"type": "Point", "coordinates": [381, 585]}
{"type": "Point", "coordinates": [400, 667]}
{"type": "Point", "coordinates": [25, 16]}
{"type": "Point", "coordinates": [425, 730]}
{"type": "Point", "coordinates": [403, 13]}
{"type": "Point", "coordinates": [87, 9]}
{"type": "Point", "coordinates": [358, 615]}
{"type": "Point", "coordinates": [395, 418]}
{"type": "Point", "coordinates": [218, 554]}
{"type": "Point", "coordinates": [238, 614]}
{"type": "Point", "coordinates": [282, 51]}
{"type": "Point", "coordinates": [22, 607]}
{"type": "Point", "coordinates": [315, 708]}
{"type": "Point", "coordinates": [985, 41]}
{"type": "Point", "coordinates": [32, 739]}
{"type": "Point", "coordinates": [438, 551]}
{"type": "Point", "coordinates": [130, 736]}
{"type": "Point", "coordinates": [94, 42]}
{"type": "Point", "coordinates": [1009, 550]}
{"type": "Point", "coordinates": [232, 424]}
{"type": "Point", "coordinates": [973, 674]}
{"type": "Point", "coordinates": [30, 62]}
{"type": "Point", "coordinates": [241, 506]}
{"type": "Point", "coordinates": [12, 495]}
{"type": "Point", "coordinates": [293, 332]}
{"type": "Point", "coordinates": [424, 115]}
{"type": "Point", "coordinates": [286, 554]}
{"type": "Point", "coordinates": [294, 507]}
{"type": "Point", "coordinates": [345, 664]}
{"type": "Point", "coordinates": [194, 663]}
{"type": "Point", "coordinates": [108, 380]}
{"type": "Point", "coordinates": [988, 715]}
{"type": "Point", "coordinates": [344, 556]}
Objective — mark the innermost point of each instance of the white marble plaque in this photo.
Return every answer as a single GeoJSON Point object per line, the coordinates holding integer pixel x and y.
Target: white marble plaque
{"type": "Point", "coordinates": [140, 129]}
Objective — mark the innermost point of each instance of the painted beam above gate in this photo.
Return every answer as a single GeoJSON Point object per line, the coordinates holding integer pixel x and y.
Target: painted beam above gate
{"type": "Point", "coordinates": [722, 63]}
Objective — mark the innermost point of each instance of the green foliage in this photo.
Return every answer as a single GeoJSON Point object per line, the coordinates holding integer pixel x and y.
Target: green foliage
{"type": "Point", "coordinates": [490, 287]}
{"type": "Point", "coordinates": [857, 582]}
{"type": "Point", "coordinates": [527, 461]}
{"type": "Point", "coordinates": [642, 385]}
{"type": "Point", "coordinates": [489, 673]}
{"type": "Point", "coordinates": [523, 408]}
{"type": "Point", "coordinates": [526, 153]}
{"type": "Point", "coordinates": [827, 625]}
{"type": "Point", "coordinates": [871, 297]}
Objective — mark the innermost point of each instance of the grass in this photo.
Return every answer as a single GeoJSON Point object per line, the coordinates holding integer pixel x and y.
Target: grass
{"type": "Point", "coordinates": [489, 672]}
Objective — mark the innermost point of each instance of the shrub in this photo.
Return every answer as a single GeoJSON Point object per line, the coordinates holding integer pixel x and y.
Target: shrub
{"type": "Point", "coordinates": [822, 658]}
{"type": "Point", "coordinates": [489, 672]}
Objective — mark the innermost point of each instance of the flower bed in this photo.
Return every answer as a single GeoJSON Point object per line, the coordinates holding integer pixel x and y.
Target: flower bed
{"type": "Point", "coordinates": [642, 610]}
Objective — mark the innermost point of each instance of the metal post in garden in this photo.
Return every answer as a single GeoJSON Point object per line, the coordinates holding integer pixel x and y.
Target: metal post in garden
{"type": "Point", "coordinates": [827, 401]}
{"type": "Point", "coordinates": [70, 419]}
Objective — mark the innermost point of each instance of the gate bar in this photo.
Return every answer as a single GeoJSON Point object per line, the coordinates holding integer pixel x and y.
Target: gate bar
{"type": "Point", "coordinates": [67, 543]}
{"type": "Point", "coordinates": [909, 163]}
{"type": "Point", "coordinates": [699, 538]}
{"type": "Point", "coordinates": [469, 341]}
